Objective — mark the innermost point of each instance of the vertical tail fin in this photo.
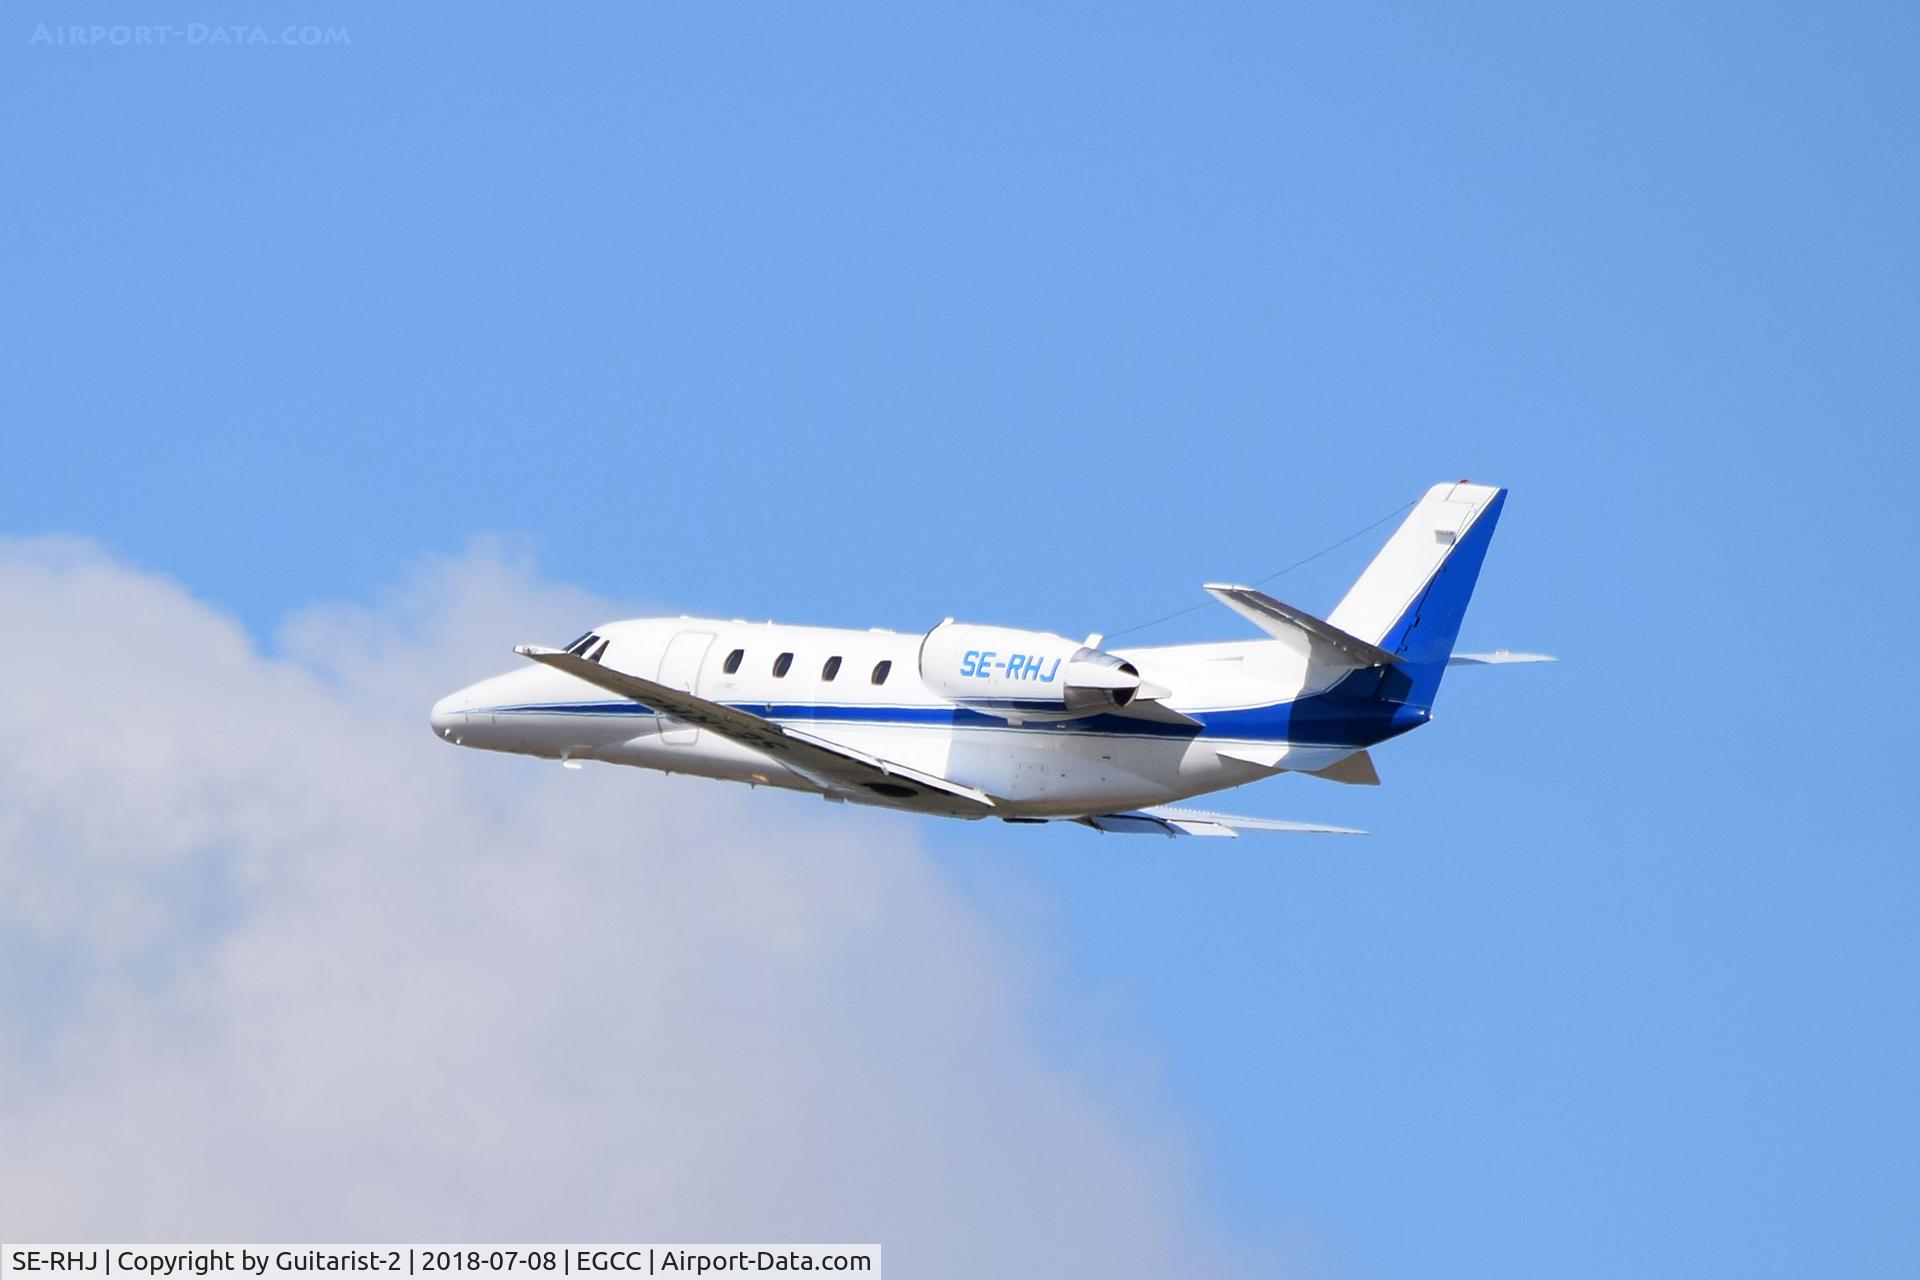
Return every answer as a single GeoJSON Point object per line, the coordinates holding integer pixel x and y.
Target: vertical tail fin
{"type": "Point", "coordinates": [1412, 597]}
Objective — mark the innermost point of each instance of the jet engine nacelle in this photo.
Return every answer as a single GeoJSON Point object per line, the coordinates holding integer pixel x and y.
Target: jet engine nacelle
{"type": "Point", "coordinates": [1024, 674]}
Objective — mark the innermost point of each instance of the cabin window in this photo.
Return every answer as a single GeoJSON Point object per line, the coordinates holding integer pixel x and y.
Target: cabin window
{"type": "Point", "coordinates": [781, 663]}
{"type": "Point", "coordinates": [881, 671]}
{"type": "Point", "coordinates": [832, 668]}
{"type": "Point", "coordinates": [732, 664]}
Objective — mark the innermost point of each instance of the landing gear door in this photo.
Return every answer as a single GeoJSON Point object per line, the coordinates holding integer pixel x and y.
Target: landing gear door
{"type": "Point", "coordinates": [680, 669]}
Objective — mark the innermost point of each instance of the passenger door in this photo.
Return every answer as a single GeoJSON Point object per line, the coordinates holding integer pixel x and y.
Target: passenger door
{"type": "Point", "coordinates": [680, 669]}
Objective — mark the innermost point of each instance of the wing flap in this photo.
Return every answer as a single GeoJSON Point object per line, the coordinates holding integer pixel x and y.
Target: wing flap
{"type": "Point", "coordinates": [1166, 820]}
{"type": "Point", "coordinates": [829, 765]}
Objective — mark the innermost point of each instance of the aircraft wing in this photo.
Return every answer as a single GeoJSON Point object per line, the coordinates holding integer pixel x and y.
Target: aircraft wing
{"type": "Point", "coordinates": [1164, 820]}
{"type": "Point", "coordinates": [828, 765]}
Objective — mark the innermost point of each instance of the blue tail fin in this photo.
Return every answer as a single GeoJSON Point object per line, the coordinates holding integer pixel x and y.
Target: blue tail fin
{"type": "Point", "coordinates": [1411, 599]}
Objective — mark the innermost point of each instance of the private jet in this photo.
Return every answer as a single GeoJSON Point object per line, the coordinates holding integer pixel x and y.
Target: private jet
{"type": "Point", "coordinates": [973, 721]}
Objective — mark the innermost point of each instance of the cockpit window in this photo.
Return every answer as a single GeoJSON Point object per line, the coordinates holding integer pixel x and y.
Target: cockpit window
{"type": "Point", "coordinates": [832, 668]}
{"type": "Point", "coordinates": [881, 671]}
{"type": "Point", "coordinates": [732, 664]}
{"type": "Point", "coordinates": [781, 663]}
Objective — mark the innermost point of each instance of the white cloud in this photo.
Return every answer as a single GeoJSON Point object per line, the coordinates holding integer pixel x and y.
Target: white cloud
{"type": "Point", "coordinates": [275, 963]}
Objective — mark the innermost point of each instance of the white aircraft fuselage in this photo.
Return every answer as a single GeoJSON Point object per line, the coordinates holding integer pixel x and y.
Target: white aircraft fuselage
{"type": "Point", "coordinates": [971, 721]}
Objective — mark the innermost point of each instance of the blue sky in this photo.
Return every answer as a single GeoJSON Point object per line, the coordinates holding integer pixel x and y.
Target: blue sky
{"type": "Point", "coordinates": [871, 315]}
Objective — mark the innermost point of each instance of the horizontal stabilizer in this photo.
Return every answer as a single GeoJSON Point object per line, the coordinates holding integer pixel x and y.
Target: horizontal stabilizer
{"type": "Point", "coordinates": [1498, 658]}
{"type": "Point", "coordinates": [1167, 821]}
{"type": "Point", "coordinates": [1284, 622]}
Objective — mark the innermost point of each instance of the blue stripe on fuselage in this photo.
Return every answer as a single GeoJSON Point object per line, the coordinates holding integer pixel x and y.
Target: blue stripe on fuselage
{"type": "Point", "coordinates": [1347, 715]}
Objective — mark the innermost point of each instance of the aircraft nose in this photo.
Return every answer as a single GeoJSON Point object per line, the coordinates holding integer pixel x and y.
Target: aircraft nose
{"type": "Point", "coordinates": [449, 715]}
